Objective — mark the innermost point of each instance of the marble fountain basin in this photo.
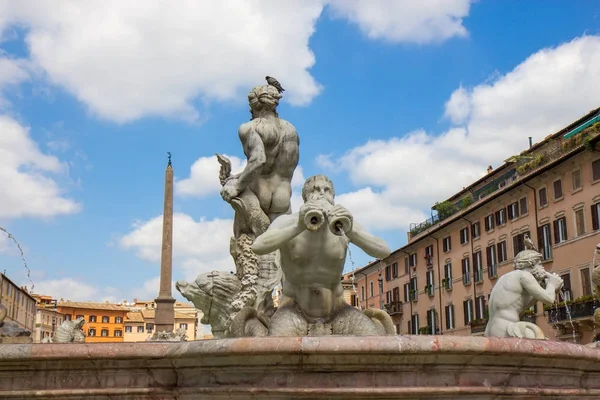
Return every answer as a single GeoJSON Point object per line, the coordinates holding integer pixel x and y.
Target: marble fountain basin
{"type": "Point", "coordinates": [332, 367]}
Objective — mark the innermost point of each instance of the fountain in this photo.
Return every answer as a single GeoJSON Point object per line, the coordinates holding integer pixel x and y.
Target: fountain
{"type": "Point", "coordinates": [313, 345]}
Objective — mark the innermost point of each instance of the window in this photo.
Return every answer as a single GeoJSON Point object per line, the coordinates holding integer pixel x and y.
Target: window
{"type": "Point", "coordinates": [545, 241]}
{"type": "Point", "coordinates": [406, 266]}
{"type": "Point", "coordinates": [104, 332]}
{"type": "Point", "coordinates": [448, 276]}
{"type": "Point", "coordinates": [502, 253]}
{"type": "Point", "coordinates": [480, 307]}
{"type": "Point", "coordinates": [586, 285]}
{"type": "Point", "coordinates": [118, 320]}
{"type": "Point", "coordinates": [412, 260]}
{"type": "Point", "coordinates": [596, 170]}
{"type": "Point", "coordinates": [118, 333]}
{"type": "Point", "coordinates": [388, 272]}
{"type": "Point", "coordinates": [149, 327]}
{"type": "Point", "coordinates": [429, 255]}
{"type": "Point", "coordinates": [388, 296]}
{"type": "Point", "coordinates": [464, 235]}
{"type": "Point", "coordinates": [396, 294]}
{"type": "Point", "coordinates": [414, 324]}
{"type": "Point", "coordinates": [558, 189]}
{"type": "Point", "coordinates": [407, 296]}
{"type": "Point", "coordinates": [513, 211]}
{"type": "Point", "coordinates": [183, 325]}
{"type": "Point", "coordinates": [105, 320]}
{"type": "Point", "coordinates": [576, 179]}
{"type": "Point", "coordinates": [567, 293]}
{"type": "Point", "coordinates": [77, 316]}
{"type": "Point", "coordinates": [432, 321]}
{"type": "Point", "coordinates": [430, 288]}
{"type": "Point", "coordinates": [519, 242]}
{"type": "Point", "coordinates": [560, 230]}
{"type": "Point", "coordinates": [523, 205]}
{"type": "Point", "coordinates": [128, 329]}
{"type": "Point", "coordinates": [477, 267]}
{"type": "Point", "coordinates": [501, 217]}
{"type": "Point", "coordinates": [449, 316]}
{"type": "Point", "coordinates": [140, 329]}
{"type": "Point", "coordinates": [414, 288]}
{"type": "Point", "coordinates": [446, 244]}
{"type": "Point", "coordinates": [466, 271]}
{"type": "Point", "coordinates": [91, 332]}
{"type": "Point", "coordinates": [579, 222]}
{"type": "Point", "coordinates": [490, 253]}
{"type": "Point", "coordinates": [596, 216]}
{"type": "Point", "coordinates": [475, 230]}
{"type": "Point", "coordinates": [371, 291]}
{"type": "Point", "coordinates": [489, 222]}
{"type": "Point", "coordinates": [543, 199]}
{"type": "Point", "coordinates": [468, 311]}
{"type": "Point", "coordinates": [93, 318]}
{"type": "Point", "coordinates": [394, 270]}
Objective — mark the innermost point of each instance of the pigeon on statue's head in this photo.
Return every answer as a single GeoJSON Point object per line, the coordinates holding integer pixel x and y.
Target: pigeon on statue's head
{"type": "Point", "coordinates": [275, 83]}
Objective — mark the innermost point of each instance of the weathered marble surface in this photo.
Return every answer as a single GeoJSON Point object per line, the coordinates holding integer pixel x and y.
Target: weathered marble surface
{"type": "Point", "coordinates": [370, 367]}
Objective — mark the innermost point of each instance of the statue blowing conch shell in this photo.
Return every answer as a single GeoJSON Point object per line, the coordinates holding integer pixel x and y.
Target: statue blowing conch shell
{"type": "Point", "coordinates": [241, 304]}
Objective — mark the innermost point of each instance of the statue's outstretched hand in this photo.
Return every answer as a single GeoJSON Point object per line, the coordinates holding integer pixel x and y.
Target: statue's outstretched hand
{"type": "Point", "coordinates": [556, 281]}
{"type": "Point", "coordinates": [230, 190]}
{"type": "Point", "coordinates": [304, 209]}
{"type": "Point", "coordinates": [339, 211]}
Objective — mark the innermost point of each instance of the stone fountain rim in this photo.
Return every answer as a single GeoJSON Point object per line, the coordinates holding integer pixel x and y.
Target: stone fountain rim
{"type": "Point", "coordinates": [340, 345]}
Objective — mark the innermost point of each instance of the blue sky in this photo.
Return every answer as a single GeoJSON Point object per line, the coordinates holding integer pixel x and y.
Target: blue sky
{"type": "Point", "coordinates": [400, 103]}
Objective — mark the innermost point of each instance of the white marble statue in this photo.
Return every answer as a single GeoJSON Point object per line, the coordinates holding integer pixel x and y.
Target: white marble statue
{"type": "Point", "coordinates": [517, 291]}
{"type": "Point", "coordinates": [313, 253]}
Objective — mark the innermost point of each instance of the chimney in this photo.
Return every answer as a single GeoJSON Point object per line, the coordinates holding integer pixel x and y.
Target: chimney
{"type": "Point", "coordinates": [530, 142]}
{"type": "Point", "coordinates": [489, 169]}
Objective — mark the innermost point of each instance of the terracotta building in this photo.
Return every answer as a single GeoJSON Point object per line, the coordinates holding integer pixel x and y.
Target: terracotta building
{"type": "Point", "coordinates": [440, 281]}
{"type": "Point", "coordinates": [19, 303]}
{"type": "Point", "coordinates": [104, 322]}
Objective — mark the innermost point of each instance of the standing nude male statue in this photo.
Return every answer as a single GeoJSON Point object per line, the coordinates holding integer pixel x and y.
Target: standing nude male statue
{"type": "Point", "coordinates": [262, 191]}
{"type": "Point", "coordinates": [313, 253]}
{"type": "Point", "coordinates": [517, 291]}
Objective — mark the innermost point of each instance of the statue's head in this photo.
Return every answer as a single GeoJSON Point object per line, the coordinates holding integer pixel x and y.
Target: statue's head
{"type": "Point", "coordinates": [531, 261]}
{"type": "Point", "coordinates": [263, 98]}
{"type": "Point", "coordinates": [78, 323]}
{"type": "Point", "coordinates": [318, 187]}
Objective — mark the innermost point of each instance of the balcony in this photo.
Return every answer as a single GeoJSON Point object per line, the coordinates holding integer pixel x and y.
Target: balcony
{"type": "Point", "coordinates": [478, 326]}
{"type": "Point", "coordinates": [393, 308]}
{"type": "Point", "coordinates": [428, 330]}
{"type": "Point", "coordinates": [582, 317]}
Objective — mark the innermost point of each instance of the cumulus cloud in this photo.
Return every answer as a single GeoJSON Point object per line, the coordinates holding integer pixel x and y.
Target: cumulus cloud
{"type": "Point", "coordinates": [28, 188]}
{"type": "Point", "coordinates": [126, 62]}
{"type": "Point", "coordinates": [75, 290]}
{"type": "Point", "coordinates": [204, 177]}
{"type": "Point", "coordinates": [402, 177]}
{"type": "Point", "coordinates": [12, 72]}
{"type": "Point", "coordinates": [198, 246]}
{"type": "Point", "coordinates": [406, 20]}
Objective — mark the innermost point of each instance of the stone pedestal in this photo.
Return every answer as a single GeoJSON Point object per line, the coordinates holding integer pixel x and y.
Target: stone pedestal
{"type": "Point", "coordinates": [369, 368]}
{"type": "Point", "coordinates": [164, 315]}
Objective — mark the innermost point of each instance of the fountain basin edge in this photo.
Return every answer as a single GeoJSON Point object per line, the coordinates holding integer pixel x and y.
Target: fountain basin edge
{"type": "Point", "coordinates": [331, 367]}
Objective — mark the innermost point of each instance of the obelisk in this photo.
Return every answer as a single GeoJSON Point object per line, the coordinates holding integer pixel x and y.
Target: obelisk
{"type": "Point", "coordinates": [164, 319]}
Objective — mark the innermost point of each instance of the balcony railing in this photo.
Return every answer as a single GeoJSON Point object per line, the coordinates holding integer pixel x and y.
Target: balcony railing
{"type": "Point", "coordinates": [528, 318]}
{"type": "Point", "coordinates": [478, 325]}
{"type": "Point", "coordinates": [577, 310]}
{"type": "Point", "coordinates": [393, 308]}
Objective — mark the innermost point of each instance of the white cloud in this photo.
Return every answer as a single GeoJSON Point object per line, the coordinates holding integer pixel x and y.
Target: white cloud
{"type": "Point", "coordinates": [12, 73]}
{"type": "Point", "coordinates": [546, 92]}
{"type": "Point", "coordinates": [204, 176]}
{"type": "Point", "coordinates": [198, 246]}
{"type": "Point", "coordinates": [406, 20]}
{"type": "Point", "coordinates": [298, 179]}
{"type": "Point", "coordinates": [126, 61]}
{"type": "Point", "coordinates": [27, 189]}
{"type": "Point", "coordinates": [74, 290]}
